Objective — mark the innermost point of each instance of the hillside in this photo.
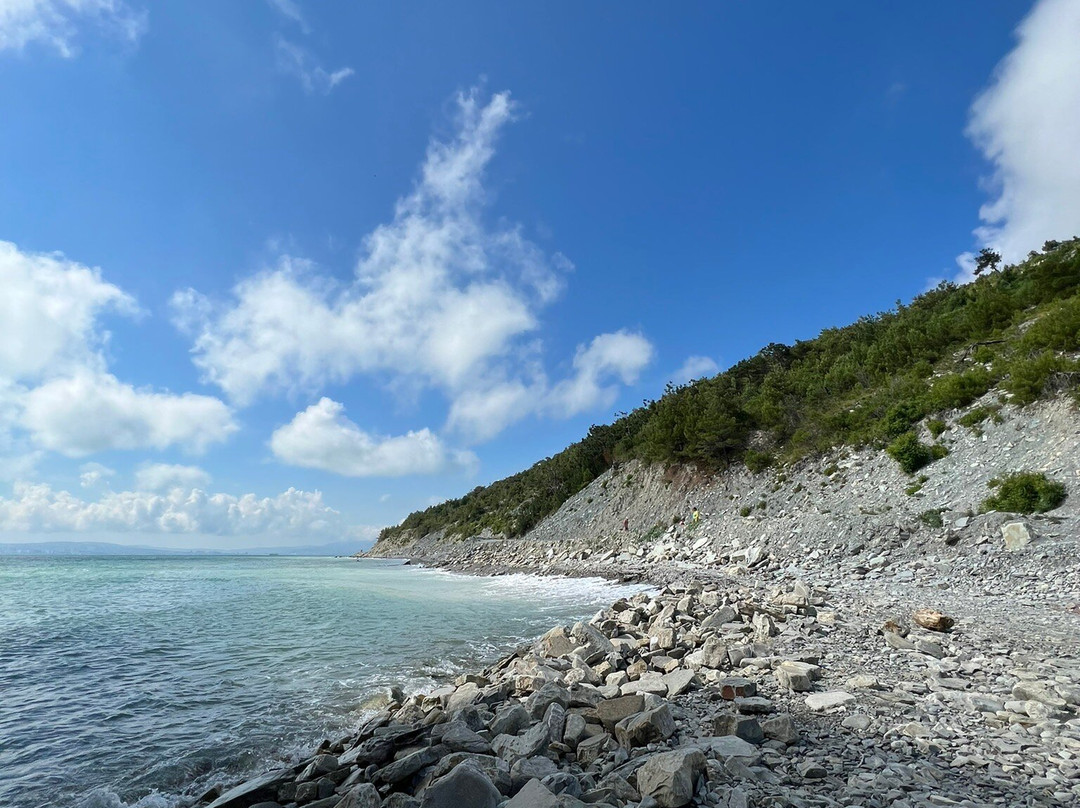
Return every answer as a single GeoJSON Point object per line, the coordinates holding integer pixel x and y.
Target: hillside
{"type": "Point", "coordinates": [1011, 337]}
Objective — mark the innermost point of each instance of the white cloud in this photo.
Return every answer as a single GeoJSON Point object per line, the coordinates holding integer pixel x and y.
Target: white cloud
{"type": "Point", "coordinates": [440, 299]}
{"type": "Point", "coordinates": [299, 62]}
{"type": "Point", "coordinates": [92, 412]}
{"type": "Point", "coordinates": [93, 474]}
{"type": "Point", "coordinates": [38, 508]}
{"type": "Point", "coordinates": [609, 357]}
{"type": "Point", "coordinates": [48, 313]}
{"type": "Point", "coordinates": [321, 437]}
{"type": "Point", "coordinates": [1027, 124]}
{"type": "Point", "coordinates": [56, 23]}
{"type": "Point", "coordinates": [55, 389]}
{"type": "Point", "coordinates": [695, 367]}
{"type": "Point", "coordinates": [290, 10]}
{"type": "Point", "coordinates": [167, 476]}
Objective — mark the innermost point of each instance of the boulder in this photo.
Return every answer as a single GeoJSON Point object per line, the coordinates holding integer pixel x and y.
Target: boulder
{"type": "Point", "coordinates": [533, 795]}
{"type": "Point", "coordinates": [459, 738]}
{"type": "Point", "coordinates": [818, 702]}
{"type": "Point", "coordinates": [1016, 535]}
{"type": "Point", "coordinates": [933, 620]}
{"type": "Point", "coordinates": [740, 726]}
{"type": "Point", "coordinates": [611, 711]}
{"type": "Point", "coordinates": [510, 720]}
{"type": "Point", "coordinates": [260, 789]}
{"type": "Point", "coordinates": [671, 778]}
{"type": "Point", "coordinates": [549, 694]}
{"type": "Point", "coordinates": [714, 653]}
{"type": "Point", "coordinates": [364, 795]}
{"type": "Point", "coordinates": [526, 769]}
{"type": "Point", "coordinates": [644, 728]}
{"type": "Point", "coordinates": [725, 614]}
{"type": "Point", "coordinates": [465, 785]}
{"type": "Point", "coordinates": [409, 764]}
{"type": "Point", "coordinates": [678, 681]}
{"type": "Point", "coordinates": [530, 743]}
{"type": "Point", "coordinates": [734, 687]}
{"type": "Point", "coordinates": [592, 643]}
{"type": "Point", "coordinates": [780, 728]}
{"type": "Point", "coordinates": [496, 770]}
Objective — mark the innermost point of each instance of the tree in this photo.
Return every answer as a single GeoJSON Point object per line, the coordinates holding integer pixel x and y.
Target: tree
{"type": "Point", "coordinates": [986, 259]}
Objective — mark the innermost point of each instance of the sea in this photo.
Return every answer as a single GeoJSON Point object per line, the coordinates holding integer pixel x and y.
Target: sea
{"type": "Point", "coordinates": [139, 682]}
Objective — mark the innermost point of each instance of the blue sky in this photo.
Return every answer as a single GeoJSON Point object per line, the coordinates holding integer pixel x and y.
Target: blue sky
{"type": "Point", "coordinates": [289, 270]}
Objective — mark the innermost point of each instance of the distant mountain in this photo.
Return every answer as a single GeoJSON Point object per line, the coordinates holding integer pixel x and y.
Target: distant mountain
{"type": "Point", "coordinates": [98, 548]}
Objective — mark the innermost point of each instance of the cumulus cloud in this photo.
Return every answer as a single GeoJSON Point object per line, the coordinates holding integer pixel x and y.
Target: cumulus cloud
{"type": "Point", "coordinates": [55, 389]}
{"type": "Point", "coordinates": [40, 508]}
{"type": "Point", "coordinates": [609, 359]}
{"type": "Point", "coordinates": [1027, 124]}
{"type": "Point", "coordinates": [56, 23]}
{"type": "Point", "coordinates": [48, 313]}
{"type": "Point", "coordinates": [321, 437]}
{"type": "Point", "coordinates": [440, 299]}
{"type": "Point", "coordinates": [297, 61]}
{"type": "Point", "coordinates": [167, 476]}
{"type": "Point", "coordinates": [93, 474]}
{"type": "Point", "coordinates": [695, 367]}
{"type": "Point", "coordinates": [93, 412]}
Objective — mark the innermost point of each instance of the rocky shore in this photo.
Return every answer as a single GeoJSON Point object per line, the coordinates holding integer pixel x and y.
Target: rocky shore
{"type": "Point", "coordinates": [894, 679]}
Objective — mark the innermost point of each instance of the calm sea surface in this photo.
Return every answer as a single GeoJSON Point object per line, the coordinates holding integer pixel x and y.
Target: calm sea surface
{"type": "Point", "coordinates": [133, 681]}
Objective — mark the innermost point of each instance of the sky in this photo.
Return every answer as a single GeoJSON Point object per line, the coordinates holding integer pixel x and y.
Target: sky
{"type": "Point", "coordinates": [280, 272]}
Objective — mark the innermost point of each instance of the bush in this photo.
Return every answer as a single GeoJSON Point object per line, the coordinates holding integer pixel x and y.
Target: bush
{"type": "Point", "coordinates": [978, 415]}
{"type": "Point", "coordinates": [1028, 377]}
{"type": "Point", "coordinates": [1025, 492]}
{"type": "Point", "coordinates": [912, 455]}
{"type": "Point", "coordinates": [936, 426]}
{"type": "Point", "coordinates": [745, 510]}
{"type": "Point", "coordinates": [757, 461]}
{"type": "Point", "coordinates": [952, 392]}
{"type": "Point", "coordinates": [932, 518]}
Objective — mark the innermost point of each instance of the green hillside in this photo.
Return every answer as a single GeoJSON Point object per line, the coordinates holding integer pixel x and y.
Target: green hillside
{"type": "Point", "coordinates": [868, 383]}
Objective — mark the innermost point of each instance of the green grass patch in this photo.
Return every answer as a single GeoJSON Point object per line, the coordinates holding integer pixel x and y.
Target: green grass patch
{"type": "Point", "coordinates": [1024, 492]}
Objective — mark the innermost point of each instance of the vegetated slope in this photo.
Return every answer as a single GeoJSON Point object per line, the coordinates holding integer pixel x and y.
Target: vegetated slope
{"type": "Point", "coordinates": [868, 383]}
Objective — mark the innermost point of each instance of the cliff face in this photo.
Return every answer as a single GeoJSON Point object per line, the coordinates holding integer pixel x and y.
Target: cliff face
{"type": "Point", "coordinates": [842, 501]}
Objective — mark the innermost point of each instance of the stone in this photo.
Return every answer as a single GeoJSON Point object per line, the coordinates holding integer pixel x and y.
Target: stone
{"type": "Point", "coordinates": [811, 770]}
{"type": "Point", "coordinates": [526, 769]}
{"type": "Point", "coordinates": [611, 711]}
{"type": "Point", "coordinates": [819, 702]}
{"type": "Point", "coordinates": [573, 729]}
{"type": "Point", "coordinates": [679, 681]}
{"type": "Point", "coordinates": [409, 765]}
{"type": "Point", "coordinates": [463, 696]}
{"type": "Point", "coordinates": [1016, 535]}
{"type": "Point", "coordinates": [857, 721]}
{"type": "Point", "coordinates": [748, 729]}
{"type": "Point", "coordinates": [510, 720]}
{"type": "Point", "coordinates": [260, 789]}
{"type": "Point", "coordinates": [533, 795]}
{"type": "Point", "coordinates": [459, 738]}
{"type": "Point", "coordinates": [753, 705]}
{"type": "Point", "coordinates": [590, 749]}
{"type": "Point", "coordinates": [795, 681]}
{"type": "Point", "coordinates": [645, 728]}
{"type": "Point", "coordinates": [556, 643]}
{"type": "Point", "coordinates": [591, 641]}
{"type": "Point", "coordinates": [562, 783]}
{"type": "Point", "coordinates": [528, 744]}
{"type": "Point", "coordinates": [400, 800]}
{"type": "Point", "coordinates": [671, 778]}
{"type": "Point", "coordinates": [320, 765]}
{"type": "Point", "coordinates": [734, 687]}
{"type": "Point", "coordinates": [714, 653]}
{"type": "Point", "coordinates": [550, 693]}
{"type": "Point", "coordinates": [364, 795]}
{"type": "Point", "coordinates": [894, 640]}
{"type": "Point", "coordinates": [725, 614]}
{"type": "Point", "coordinates": [465, 785]}
{"type": "Point", "coordinates": [933, 620]}
{"type": "Point", "coordinates": [780, 728]}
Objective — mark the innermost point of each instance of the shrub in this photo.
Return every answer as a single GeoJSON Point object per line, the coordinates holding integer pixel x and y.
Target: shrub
{"type": "Point", "coordinates": [932, 518]}
{"type": "Point", "coordinates": [1024, 492]}
{"type": "Point", "coordinates": [912, 455]}
{"type": "Point", "coordinates": [901, 417]}
{"type": "Point", "coordinates": [978, 415]}
{"type": "Point", "coordinates": [757, 461]}
{"type": "Point", "coordinates": [936, 426]}
{"type": "Point", "coordinates": [983, 354]}
{"type": "Point", "coordinates": [1028, 377]}
{"type": "Point", "coordinates": [745, 510]}
{"type": "Point", "coordinates": [959, 390]}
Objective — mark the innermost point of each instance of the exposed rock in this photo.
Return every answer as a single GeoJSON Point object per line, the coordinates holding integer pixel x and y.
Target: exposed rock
{"type": "Point", "coordinates": [465, 785]}
{"type": "Point", "coordinates": [671, 778]}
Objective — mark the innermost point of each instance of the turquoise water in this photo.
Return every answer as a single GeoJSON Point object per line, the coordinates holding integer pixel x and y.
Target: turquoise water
{"type": "Point", "coordinates": [136, 681]}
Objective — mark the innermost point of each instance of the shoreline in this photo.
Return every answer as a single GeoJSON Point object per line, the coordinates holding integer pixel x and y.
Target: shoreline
{"type": "Point", "coordinates": [742, 685]}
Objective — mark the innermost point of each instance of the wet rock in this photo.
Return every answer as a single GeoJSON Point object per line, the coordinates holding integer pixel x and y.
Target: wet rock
{"type": "Point", "coordinates": [259, 789]}
{"type": "Point", "coordinates": [465, 785]}
{"type": "Point", "coordinates": [364, 795]}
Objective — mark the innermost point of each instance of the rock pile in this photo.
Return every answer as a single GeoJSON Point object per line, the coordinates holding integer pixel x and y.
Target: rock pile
{"type": "Point", "coordinates": [714, 694]}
